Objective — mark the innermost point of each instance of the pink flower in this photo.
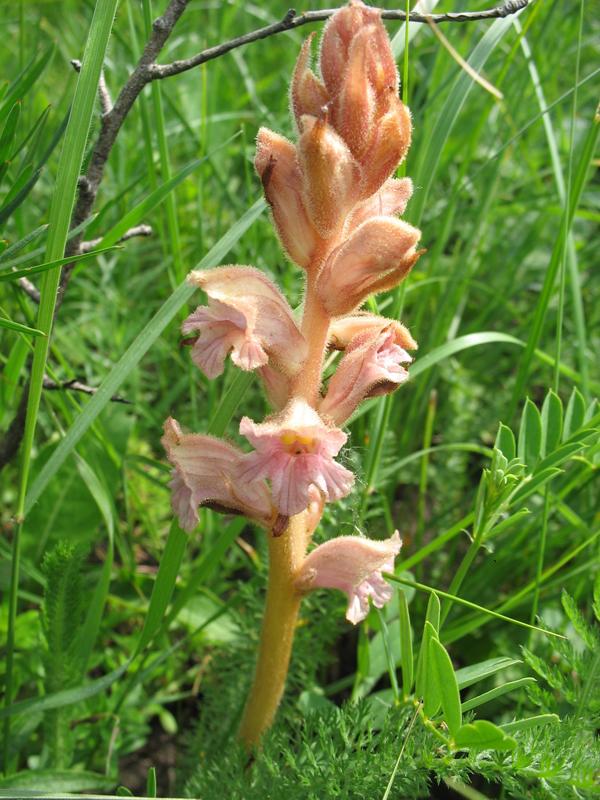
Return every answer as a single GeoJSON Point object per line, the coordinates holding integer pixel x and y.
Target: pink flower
{"type": "Point", "coordinates": [371, 366]}
{"type": "Point", "coordinates": [354, 565]}
{"type": "Point", "coordinates": [376, 257]}
{"type": "Point", "coordinates": [246, 315]}
{"type": "Point", "coordinates": [205, 474]}
{"type": "Point", "coordinates": [295, 451]}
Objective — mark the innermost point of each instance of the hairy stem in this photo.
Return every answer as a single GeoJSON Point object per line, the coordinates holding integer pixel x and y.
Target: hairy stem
{"type": "Point", "coordinates": [315, 327]}
{"type": "Point", "coordinates": [286, 553]}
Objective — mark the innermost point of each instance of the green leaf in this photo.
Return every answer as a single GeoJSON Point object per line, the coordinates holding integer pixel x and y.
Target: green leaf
{"type": "Point", "coordinates": [17, 326]}
{"type": "Point", "coordinates": [134, 354]}
{"type": "Point", "coordinates": [57, 781]}
{"type": "Point", "coordinates": [164, 584]}
{"type": "Point", "coordinates": [466, 676]}
{"type": "Point", "coordinates": [505, 442]}
{"type": "Point", "coordinates": [444, 351]}
{"type": "Point", "coordinates": [444, 675]}
{"type": "Point", "coordinates": [406, 647]}
{"type": "Point", "coordinates": [483, 735]}
{"type": "Point", "coordinates": [497, 691]}
{"type": "Point", "coordinates": [431, 690]}
{"type": "Point", "coordinates": [530, 722]}
{"type": "Point", "coordinates": [532, 486]}
{"type": "Point", "coordinates": [432, 624]}
{"type": "Point", "coordinates": [151, 782]}
{"type": "Point", "coordinates": [530, 435]}
{"type": "Point", "coordinates": [552, 417]}
{"type": "Point", "coordinates": [8, 275]}
{"type": "Point", "coordinates": [574, 414]}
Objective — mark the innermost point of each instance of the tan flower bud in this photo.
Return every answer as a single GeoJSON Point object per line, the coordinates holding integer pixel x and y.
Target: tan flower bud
{"type": "Point", "coordinates": [278, 169]}
{"type": "Point", "coordinates": [331, 175]}
{"type": "Point", "coordinates": [390, 200]}
{"type": "Point", "coordinates": [308, 95]}
{"type": "Point", "coordinates": [389, 145]}
{"type": "Point", "coordinates": [338, 36]}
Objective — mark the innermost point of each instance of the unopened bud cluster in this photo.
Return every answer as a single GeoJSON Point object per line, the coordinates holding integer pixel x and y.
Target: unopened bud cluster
{"type": "Point", "coordinates": [335, 206]}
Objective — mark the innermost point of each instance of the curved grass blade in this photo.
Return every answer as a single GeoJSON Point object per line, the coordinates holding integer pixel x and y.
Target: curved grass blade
{"type": "Point", "coordinates": [63, 200]}
{"type": "Point", "coordinates": [12, 275]}
{"type": "Point", "coordinates": [17, 326]}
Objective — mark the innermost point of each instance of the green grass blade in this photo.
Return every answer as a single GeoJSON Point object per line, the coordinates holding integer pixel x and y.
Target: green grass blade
{"type": "Point", "coordinates": [17, 326]}
{"type": "Point", "coordinates": [448, 115]}
{"type": "Point", "coordinates": [164, 584]}
{"type": "Point", "coordinates": [456, 599]}
{"type": "Point", "coordinates": [12, 275]}
{"type": "Point", "coordinates": [63, 200]}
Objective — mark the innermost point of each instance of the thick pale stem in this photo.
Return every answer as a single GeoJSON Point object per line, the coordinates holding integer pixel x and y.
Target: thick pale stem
{"type": "Point", "coordinates": [315, 327]}
{"type": "Point", "coordinates": [286, 553]}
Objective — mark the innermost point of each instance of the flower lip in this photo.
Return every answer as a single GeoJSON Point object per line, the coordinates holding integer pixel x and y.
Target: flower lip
{"type": "Point", "coordinates": [295, 450]}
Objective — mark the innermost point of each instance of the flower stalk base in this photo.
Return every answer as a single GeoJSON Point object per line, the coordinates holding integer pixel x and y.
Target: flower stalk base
{"type": "Point", "coordinates": [286, 554]}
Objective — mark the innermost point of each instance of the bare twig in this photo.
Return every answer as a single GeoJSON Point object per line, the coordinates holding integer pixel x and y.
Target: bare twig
{"type": "Point", "coordinates": [77, 386]}
{"type": "Point", "coordinates": [137, 230]}
{"type": "Point", "coordinates": [293, 20]}
{"type": "Point", "coordinates": [33, 292]}
{"type": "Point", "coordinates": [30, 289]}
{"type": "Point", "coordinates": [104, 95]}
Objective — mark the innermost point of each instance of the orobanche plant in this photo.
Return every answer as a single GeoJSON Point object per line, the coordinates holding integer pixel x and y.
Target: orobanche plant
{"type": "Point", "coordinates": [335, 208]}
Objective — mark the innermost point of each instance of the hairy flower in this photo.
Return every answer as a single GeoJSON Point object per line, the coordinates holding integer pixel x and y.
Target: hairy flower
{"type": "Point", "coordinates": [376, 257]}
{"type": "Point", "coordinates": [246, 315]}
{"type": "Point", "coordinates": [205, 474]}
{"type": "Point", "coordinates": [371, 366]}
{"type": "Point", "coordinates": [295, 450]}
{"type": "Point", "coordinates": [354, 565]}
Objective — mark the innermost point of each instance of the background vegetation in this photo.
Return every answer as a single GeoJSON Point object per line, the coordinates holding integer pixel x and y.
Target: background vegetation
{"type": "Point", "coordinates": [505, 306]}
